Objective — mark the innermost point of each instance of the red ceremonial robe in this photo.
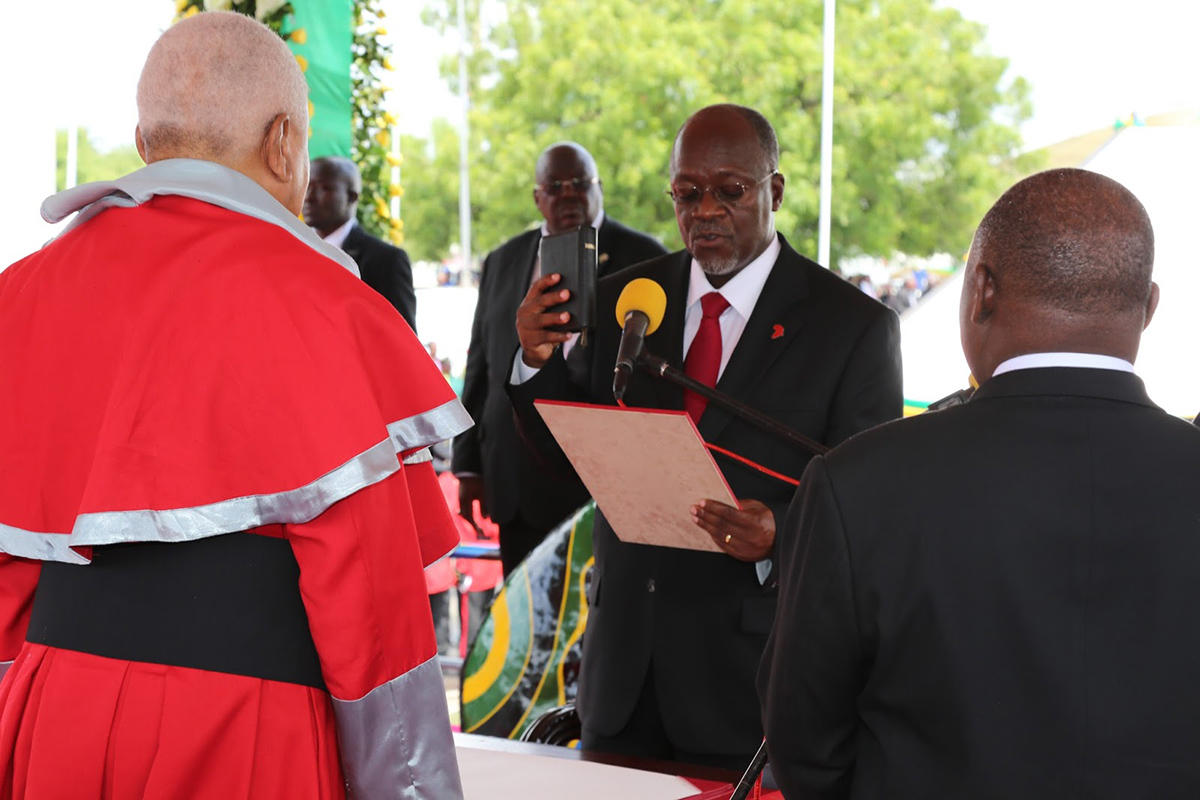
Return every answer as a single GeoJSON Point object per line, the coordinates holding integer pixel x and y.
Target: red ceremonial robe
{"type": "Point", "coordinates": [188, 360]}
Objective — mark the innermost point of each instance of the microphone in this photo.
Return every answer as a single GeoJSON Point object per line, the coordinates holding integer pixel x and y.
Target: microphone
{"type": "Point", "coordinates": [640, 310]}
{"type": "Point", "coordinates": [956, 399]}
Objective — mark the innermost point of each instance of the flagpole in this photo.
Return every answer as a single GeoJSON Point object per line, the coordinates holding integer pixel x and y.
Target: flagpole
{"type": "Point", "coordinates": [824, 223]}
{"type": "Point", "coordinates": [464, 180]}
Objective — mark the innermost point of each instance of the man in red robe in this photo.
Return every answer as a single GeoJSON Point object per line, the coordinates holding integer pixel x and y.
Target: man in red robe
{"type": "Point", "coordinates": [213, 473]}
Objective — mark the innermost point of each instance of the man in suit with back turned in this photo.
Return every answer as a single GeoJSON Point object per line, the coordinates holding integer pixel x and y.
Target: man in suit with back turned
{"type": "Point", "coordinates": [674, 636]}
{"type": "Point", "coordinates": [330, 208]}
{"type": "Point", "coordinates": [1027, 627]}
{"type": "Point", "coordinates": [518, 494]}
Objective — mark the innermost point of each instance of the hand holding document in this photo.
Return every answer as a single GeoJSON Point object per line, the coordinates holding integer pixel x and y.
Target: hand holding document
{"type": "Point", "coordinates": [645, 468]}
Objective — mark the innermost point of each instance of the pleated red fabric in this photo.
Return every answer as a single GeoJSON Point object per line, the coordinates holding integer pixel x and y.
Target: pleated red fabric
{"type": "Point", "coordinates": [123, 730]}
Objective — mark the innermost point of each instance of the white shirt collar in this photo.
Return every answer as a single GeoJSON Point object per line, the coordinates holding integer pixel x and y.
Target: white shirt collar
{"type": "Point", "coordinates": [596, 223]}
{"type": "Point", "coordinates": [1082, 360]}
{"type": "Point", "coordinates": [338, 237]}
{"type": "Point", "coordinates": [743, 289]}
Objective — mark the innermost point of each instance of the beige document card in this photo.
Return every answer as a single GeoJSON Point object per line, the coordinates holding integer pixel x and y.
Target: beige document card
{"type": "Point", "coordinates": [645, 468]}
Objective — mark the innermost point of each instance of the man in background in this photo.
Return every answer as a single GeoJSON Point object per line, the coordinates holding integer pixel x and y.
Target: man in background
{"type": "Point", "coordinates": [214, 472]}
{"type": "Point", "coordinates": [675, 636]}
{"type": "Point", "coordinates": [330, 207]}
{"type": "Point", "coordinates": [1031, 631]}
{"type": "Point", "coordinates": [493, 469]}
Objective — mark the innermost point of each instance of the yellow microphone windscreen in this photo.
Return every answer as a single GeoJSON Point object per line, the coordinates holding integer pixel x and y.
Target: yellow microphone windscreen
{"type": "Point", "coordinates": [642, 294]}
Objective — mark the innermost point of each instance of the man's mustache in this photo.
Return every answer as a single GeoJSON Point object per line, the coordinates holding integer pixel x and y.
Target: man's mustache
{"type": "Point", "coordinates": [701, 228]}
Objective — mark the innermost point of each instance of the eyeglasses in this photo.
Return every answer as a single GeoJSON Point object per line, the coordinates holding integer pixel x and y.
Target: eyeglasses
{"type": "Point", "coordinates": [689, 194]}
{"type": "Point", "coordinates": [555, 188]}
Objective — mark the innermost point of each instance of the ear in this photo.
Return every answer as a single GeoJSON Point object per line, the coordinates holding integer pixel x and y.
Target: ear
{"type": "Point", "coordinates": [352, 195]}
{"type": "Point", "coordinates": [981, 289]}
{"type": "Point", "coordinates": [277, 154]}
{"type": "Point", "coordinates": [777, 182]}
{"type": "Point", "coordinates": [140, 143]}
{"type": "Point", "coordinates": [1151, 305]}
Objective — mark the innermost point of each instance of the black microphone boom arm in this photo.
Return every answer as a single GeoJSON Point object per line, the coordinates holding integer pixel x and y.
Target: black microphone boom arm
{"type": "Point", "coordinates": [658, 366]}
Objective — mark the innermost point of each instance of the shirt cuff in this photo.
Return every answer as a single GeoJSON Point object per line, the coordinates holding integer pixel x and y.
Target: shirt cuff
{"type": "Point", "coordinates": [521, 371]}
{"type": "Point", "coordinates": [763, 568]}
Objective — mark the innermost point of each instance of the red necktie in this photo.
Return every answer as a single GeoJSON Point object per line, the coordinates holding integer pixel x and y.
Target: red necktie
{"type": "Point", "coordinates": [703, 360]}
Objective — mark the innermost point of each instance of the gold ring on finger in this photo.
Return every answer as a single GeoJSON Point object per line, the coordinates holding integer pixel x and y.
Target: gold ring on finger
{"type": "Point", "coordinates": [728, 538]}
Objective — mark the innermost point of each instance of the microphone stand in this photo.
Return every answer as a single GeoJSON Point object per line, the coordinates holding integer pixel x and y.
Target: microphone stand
{"type": "Point", "coordinates": [742, 790]}
{"type": "Point", "coordinates": [658, 366]}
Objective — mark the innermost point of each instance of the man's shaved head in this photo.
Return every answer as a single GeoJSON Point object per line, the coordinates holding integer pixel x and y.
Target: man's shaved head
{"type": "Point", "coordinates": [1073, 240]}
{"type": "Point", "coordinates": [212, 85]}
{"type": "Point", "coordinates": [343, 168]}
{"type": "Point", "coordinates": [1061, 263]}
{"type": "Point", "coordinates": [559, 150]}
{"type": "Point", "coordinates": [567, 189]}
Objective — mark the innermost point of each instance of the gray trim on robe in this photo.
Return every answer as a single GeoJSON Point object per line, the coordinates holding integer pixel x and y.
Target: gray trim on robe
{"type": "Point", "coordinates": [294, 506]}
{"type": "Point", "coordinates": [396, 741]}
{"type": "Point", "coordinates": [419, 457]}
{"type": "Point", "coordinates": [40, 546]}
{"type": "Point", "coordinates": [4, 665]}
{"type": "Point", "coordinates": [431, 427]}
{"type": "Point", "coordinates": [186, 177]}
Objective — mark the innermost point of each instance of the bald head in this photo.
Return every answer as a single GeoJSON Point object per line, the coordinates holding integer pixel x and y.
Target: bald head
{"type": "Point", "coordinates": [764, 132]}
{"type": "Point", "coordinates": [217, 86]}
{"type": "Point", "coordinates": [1061, 262]}
{"type": "Point", "coordinates": [567, 187]}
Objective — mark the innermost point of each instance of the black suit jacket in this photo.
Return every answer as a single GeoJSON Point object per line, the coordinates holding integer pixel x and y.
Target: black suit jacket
{"type": "Point", "coordinates": [998, 600]}
{"type": "Point", "coordinates": [700, 618]}
{"type": "Point", "coordinates": [514, 483]}
{"type": "Point", "coordinates": [385, 269]}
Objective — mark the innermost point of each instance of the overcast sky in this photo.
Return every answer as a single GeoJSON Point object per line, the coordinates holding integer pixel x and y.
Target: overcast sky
{"type": "Point", "coordinates": [1089, 63]}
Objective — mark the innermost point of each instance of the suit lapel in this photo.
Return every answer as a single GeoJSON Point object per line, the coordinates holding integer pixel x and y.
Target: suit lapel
{"type": "Point", "coordinates": [353, 244]}
{"type": "Point", "coordinates": [773, 326]}
{"type": "Point", "coordinates": [604, 238]}
{"type": "Point", "coordinates": [522, 274]}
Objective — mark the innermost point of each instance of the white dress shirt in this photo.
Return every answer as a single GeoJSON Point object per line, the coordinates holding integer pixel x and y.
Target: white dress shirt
{"type": "Point", "coordinates": [338, 237]}
{"type": "Point", "coordinates": [1078, 360]}
{"type": "Point", "coordinates": [741, 292]}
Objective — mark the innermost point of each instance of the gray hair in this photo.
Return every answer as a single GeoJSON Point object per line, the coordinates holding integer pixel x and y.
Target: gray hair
{"type": "Point", "coordinates": [211, 86]}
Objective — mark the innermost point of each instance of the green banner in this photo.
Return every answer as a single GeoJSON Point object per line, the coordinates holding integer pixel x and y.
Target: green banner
{"type": "Point", "coordinates": [324, 51]}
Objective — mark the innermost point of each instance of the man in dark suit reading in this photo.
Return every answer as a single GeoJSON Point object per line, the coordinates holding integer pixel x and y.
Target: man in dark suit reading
{"type": "Point", "coordinates": [491, 466]}
{"type": "Point", "coordinates": [330, 206]}
{"type": "Point", "coordinates": [1026, 626]}
{"type": "Point", "coordinates": [674, 636]}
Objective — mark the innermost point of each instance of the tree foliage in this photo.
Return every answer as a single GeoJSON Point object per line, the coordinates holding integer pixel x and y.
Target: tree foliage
{"type": "Point", "coordinates": [924, 128]}
{"type": "Point", "coordinates": [430, 205]}
{"type": "Point", "coordinates": [93, 164]}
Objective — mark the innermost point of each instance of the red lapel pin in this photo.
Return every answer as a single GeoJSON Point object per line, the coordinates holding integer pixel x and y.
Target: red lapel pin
{"type": "Point", "coordinates": [777, 333]}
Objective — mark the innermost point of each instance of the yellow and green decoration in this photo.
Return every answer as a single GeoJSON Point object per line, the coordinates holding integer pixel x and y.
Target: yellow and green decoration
{"type": "Point", "coordinates": [525, 660]}
{"type": "Point", "coordinates": [336, 43]}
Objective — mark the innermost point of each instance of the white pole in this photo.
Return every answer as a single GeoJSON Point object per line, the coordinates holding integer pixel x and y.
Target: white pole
{"type": "Point", "coordinates": [824, 224]}
{"type": "Point", "coordinates": [72, 176]}
{"type": "Point", "coordinates": [464, 181]}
